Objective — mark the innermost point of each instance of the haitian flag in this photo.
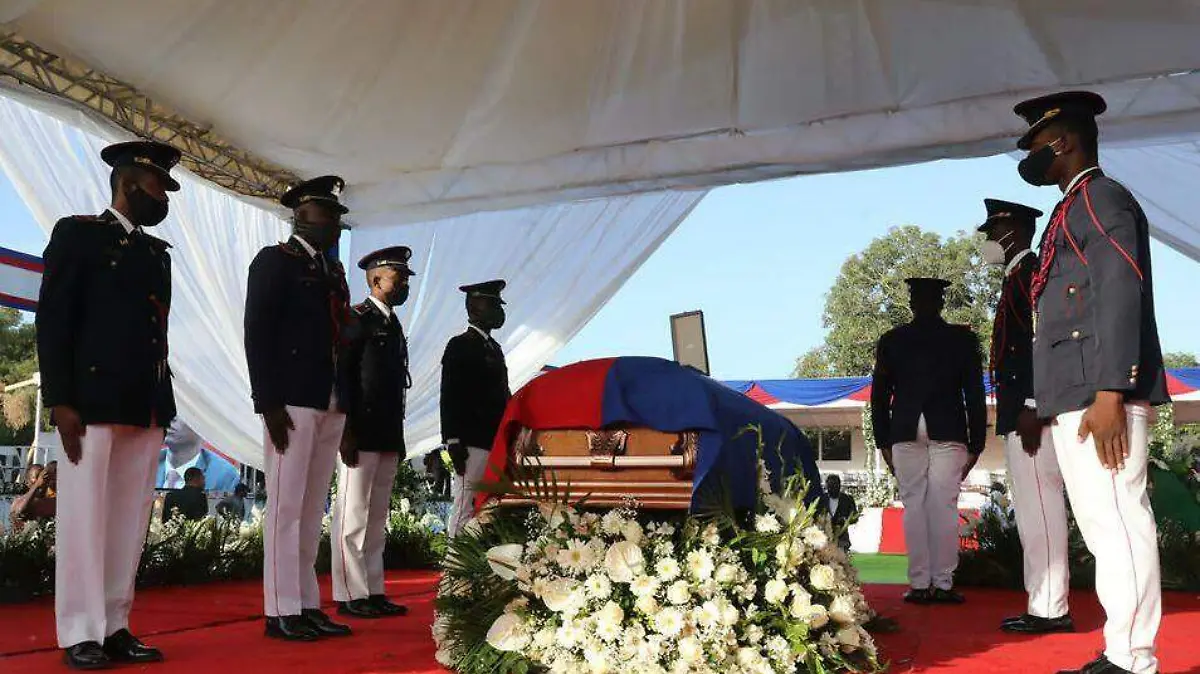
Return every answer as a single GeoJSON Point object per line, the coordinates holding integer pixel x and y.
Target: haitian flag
{"type": "Point", "coordinates": [20, 279]}
{"type": "Point", "coordinates": [665, 396]}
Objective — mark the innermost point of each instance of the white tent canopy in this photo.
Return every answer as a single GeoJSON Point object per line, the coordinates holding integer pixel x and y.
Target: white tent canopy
{"type": "Point", "coordinates": [463, 126]}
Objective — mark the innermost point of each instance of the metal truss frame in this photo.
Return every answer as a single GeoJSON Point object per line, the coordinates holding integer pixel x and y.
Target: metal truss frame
{"type": "Point", "coordinates": [204, 153]}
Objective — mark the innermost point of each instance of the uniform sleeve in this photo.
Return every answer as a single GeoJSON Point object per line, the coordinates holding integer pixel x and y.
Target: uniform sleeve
{"type": "Point", "coordinates": [351, 360]}
{"type": "Point", "coordinates": [455, 382]}
{"type": "Point", "coordinates": [59, 307]}
{"type": "Point", "coordinates": [1112, 245]}
{"type": "Point", "coordinates": [264, 296]}
{"type": "Point", "coordinates": [974, 396]}
{"type": "Point", "coordinates": [881, 396]}
{"type": "Point", "coordinates": [1024, 366]}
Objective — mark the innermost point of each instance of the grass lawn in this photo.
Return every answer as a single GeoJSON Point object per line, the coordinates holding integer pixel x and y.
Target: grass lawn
{"type": "Point", "coordinates": [882, 568]}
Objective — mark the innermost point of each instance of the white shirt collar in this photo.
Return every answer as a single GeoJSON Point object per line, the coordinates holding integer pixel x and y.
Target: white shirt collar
{"type": "Point", "coordinates": [1080, 176]}
{"type": "Point", "coordinates": [387, 311]}
{"type": "Point", "coordinates": [1016, 261]}
{"type": "Point", "coordinates": [180, 470]}
{"type": "Point", "coordinates": [125, 223]}
{"type": "Point", "coordinates": [307, 246]}
{"type": "Point", "coordinates": [474, 327]}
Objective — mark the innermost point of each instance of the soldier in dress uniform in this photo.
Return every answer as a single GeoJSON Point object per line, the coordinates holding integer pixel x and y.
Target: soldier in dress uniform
{"type": "Point", "coordinates": [474, 394]}
{"type": "Point", "coordinates": [1037, 484]}
{"type": "Point", "coordinates": [376, 366]}
{"type": "Point", "coordinates": [930, 419]}
{"type": "Point", "coordinates": [102, 348]}
{"type": "Point", "coordinates": [1097, 365]}
{"type": "Point", "coordinates": [297, 312]}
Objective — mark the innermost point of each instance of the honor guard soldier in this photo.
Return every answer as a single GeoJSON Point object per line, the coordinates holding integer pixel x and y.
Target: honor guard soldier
{"type": "Point", "coordinates": [297, 312]}
{"type": "Point", "coordinates": [1037, 484]}
{"type": "Point", "coordinates": [102, 348]}
{"type": "Point", "coordinates": [376, 366]}
{"type": "Point", "coordinates": [1097, 365]}
{"type": "Point", "coordinates": [474, 394]}
{"type": "Point", "coordinates": [930, 421]}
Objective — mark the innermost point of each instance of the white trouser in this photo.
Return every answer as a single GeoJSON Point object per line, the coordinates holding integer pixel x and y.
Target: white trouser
{"type": "Point", "coordinates": [930, 474]}
{"type": "Point", "coordinates": [359, 529]}
{"type": "Point", "coordinates": [462, 487]}
{"type": "Point", "coordinates": [1114, 516]}
{"type": "Point", "coordinates": [103, 505]}
{"type": "Point", "coordinates": [297, 490]}
{"type": "Point", "coordinates": [1041, 508]}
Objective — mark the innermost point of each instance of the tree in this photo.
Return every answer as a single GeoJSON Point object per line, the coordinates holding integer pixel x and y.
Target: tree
{"type": "Point", "coordinates": [870, 297]}
{"type": "Point", "coordinates": [18, 362]}
{"type": "Point", "coordinates": [1180, 359]}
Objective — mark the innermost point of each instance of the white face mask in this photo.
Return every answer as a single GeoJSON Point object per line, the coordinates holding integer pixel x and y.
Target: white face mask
{"type": "Point", "coordinates": [994, 252]}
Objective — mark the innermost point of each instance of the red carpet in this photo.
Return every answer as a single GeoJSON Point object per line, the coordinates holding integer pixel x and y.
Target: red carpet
{"type": "Point", "coordinates": [217, 629]}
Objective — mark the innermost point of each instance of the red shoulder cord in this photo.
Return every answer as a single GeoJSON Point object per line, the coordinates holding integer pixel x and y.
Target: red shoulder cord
{"type": "Point", "coordinates": [1058, 225]}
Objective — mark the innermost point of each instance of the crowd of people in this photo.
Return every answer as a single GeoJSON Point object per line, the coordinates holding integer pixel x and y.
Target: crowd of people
{"type": "Point", "coordinates": [1075, 358]}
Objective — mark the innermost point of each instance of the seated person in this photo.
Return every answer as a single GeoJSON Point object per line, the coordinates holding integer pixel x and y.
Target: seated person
{"type": "Point", "coordinates": [191, 502]}
{"type": "Point", "coordinates": [233, 507]}
{"type": "Point", "coordinates": [38, 502]}
{"type": "Point", "coordinates": [183, 450]}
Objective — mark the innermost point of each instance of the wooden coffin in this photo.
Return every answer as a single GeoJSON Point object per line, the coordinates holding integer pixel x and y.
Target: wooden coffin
{"type": "Point", "coordinates": [608, 468]}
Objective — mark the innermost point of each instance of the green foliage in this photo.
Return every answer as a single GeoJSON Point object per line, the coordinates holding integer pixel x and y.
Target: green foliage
{"type": "Point", "coordinates": [870, 297]}
{"type": "Point", "coordinates": [1177, 359]}
{"type": "Point", "coordinates": [18, 362]}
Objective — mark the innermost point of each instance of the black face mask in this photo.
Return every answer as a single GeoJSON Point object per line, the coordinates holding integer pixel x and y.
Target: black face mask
{"type": "Point", "coordinates": [321, 237]}
{"type": "Point", "coordinates": [1034, 167]}
{"type": "Point", "coordinates": [399, 296]}
{"type": "Point", "coordinates": [145, 210]}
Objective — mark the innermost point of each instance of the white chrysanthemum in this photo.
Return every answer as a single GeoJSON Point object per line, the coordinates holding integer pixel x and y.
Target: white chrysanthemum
{"type": "Point", "coordinates": [578, 557]}
{"type": "Point", "coordinates": [669, 622]}
{"type": "Point", "coordinates": [767, 524]}
{"type": "Point", "coordinates": [624, 561]}
{"type": "Point", "coordinates": [822, 577]}
{"type": "Point", "coordinates": [815, 537]}
{"type": "Point", "coordinates": [711, 535]}
{"type": "Point", "coordinates": [598, 586]}
{"type": "Point", "coordinates": [841, 609]}
{"type": "Point", "coordinates": [647, 605]}
{"type": "Point", "coordinates": [726, 574]}
{"type": "Point", "coordinates": [706, 614]}
{"type": "Point", "coordinates": [748, 591]}
{"type": "Point", "coordinates": [729, 612]}
{"type": "Point", "coordinates": [690, 650]}
{"type": "Point", "coordinates": [507, 633]}
{"type": "Point", "coordinates": [775, 591]}
{"type": "Point", "coordinates": [612, 522]}
{"type": "Point", "coordinates": [597, 661]}
{"type": "Point", "coordinates": [679, 593]}
{"type": "Point", "coordinates": [667, 569]}
{"type": "Point", "coordinates": [754, 634]}
{"type": "Point", "coordinates": [700, 564]}
{"type": "Point", "coordinates": [748, 658]}
{"type": "Point", "coordinates": [570, 634]}
{"type": "Point", "coordinates": [644, 586]}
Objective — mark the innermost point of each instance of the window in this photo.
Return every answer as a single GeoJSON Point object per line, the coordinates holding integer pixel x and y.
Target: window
{"type": "Point", "coordinates": [830, 444]}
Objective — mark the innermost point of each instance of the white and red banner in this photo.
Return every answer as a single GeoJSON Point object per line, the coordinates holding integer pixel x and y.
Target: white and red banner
{"type": "Point", "coordinates": [20, 279]}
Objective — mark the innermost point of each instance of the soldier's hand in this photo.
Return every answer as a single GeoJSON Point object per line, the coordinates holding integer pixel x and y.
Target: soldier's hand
{"type": "Point", "coordinates": [886, 452]}
{"type": "Point", "coordinates": [1104, 421]}
{"type": "Point", "coordinates": [349, 449]}
{"type": "Point", "coordinates": [972, 459]}
{"type": "Point", "coordinates": [71, 430]}
{"type": "Point", "coordinates": [1029, 429]}
{"type": "Point", "coordinates": [278, 423]}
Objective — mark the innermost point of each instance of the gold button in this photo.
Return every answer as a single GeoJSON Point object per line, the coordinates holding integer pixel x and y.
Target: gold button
{"type": "Point", "coordinates": [293, 352]}
{"type": "Point", "coordinates": [112, 263]}
{"type": "Point", "coordinates": [1075, 334]}
{"type": "Point", "coordinates": [154, 319]}
{"type": "Point", "coordinates": [92, 368]}
{"type": "Point", "coordinates": [154, 341]}
{"type": "Point", "coordinates": [1070, 290]}
{"type": "Point", "coordinates": [1133, 380]}
{"type": "Point", "coordinates": [152, 297]}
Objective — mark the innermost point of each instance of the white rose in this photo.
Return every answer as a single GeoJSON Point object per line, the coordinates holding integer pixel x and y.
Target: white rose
{"type": "Point", "coordinates": [667, 569]}
{"type": "Point", "coordinates": [801, 602]}
{"type": "Point", "coordinates": [775, 591]}
{"type": "Point", "coordinates": [822, 577]}
{"type": "Point", "coordinates": [668, 622]}
{"type": "Point", "coordinates": [678, 593]}
{"type": "Point", "coordinates": [849, 638]}
{"type": "Point", "coordinates": [508, 633]}
{"type": "Point", "coordinates": [815, 537]}
{"type": "Point", "coordinates": [842, 610]}
{"type": "Point", "coordinates": [726, 573]}
{"type": "Point", "coordinates": [767, 524]}
{"type": "Point", "coordinates": [505, 560]}
{"type": "Point", "coordinates": [816, 617]}
{"type": "Point", "coordinates": [647, 605]}
{"type": "Point", "coordinates": [707, 614]}
{"type": "Point", "coordinates": [632, 531]}
{"type": "Point", "coordinates": [624, 561]}
{"type": "Point", "coordinates": [559, 594]}
{"type": "Point", "coordinates": [729, 613]}
{"type": "Point", "coordinates": [689, 649]}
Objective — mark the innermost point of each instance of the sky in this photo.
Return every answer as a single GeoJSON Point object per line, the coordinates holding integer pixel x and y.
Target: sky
{"type": "Point", "coordinates": [758, 260]}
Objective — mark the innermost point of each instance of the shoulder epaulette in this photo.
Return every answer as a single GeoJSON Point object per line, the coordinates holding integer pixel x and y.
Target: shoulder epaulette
{"type": "Point", "coordinates": [361, 308]}
{"type": "Point", "coordinates": [288, 248]}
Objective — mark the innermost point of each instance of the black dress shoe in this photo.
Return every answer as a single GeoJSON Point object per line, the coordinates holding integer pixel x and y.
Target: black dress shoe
{"type": "Point", "coordinates": [1100, 665]}
{"type": "Point", "coordinates": [86, 655]}
{"type": "Point", "coordinates": [1031, 624]}
{"type": "Point", "coordinates": [359, 608]}
{"type": "Point", "coordinates": [386, 607]}
{"type": "Point", "coordinates": [323, 625]}
{"type": "Point", "coordinates": [919, 596]}
{"type": "Point", "coordinates": [941, 596]}
{"type": "Point", "coordinates": [290, 628]}
{"type": "Point", "coordinates": [122, 646]}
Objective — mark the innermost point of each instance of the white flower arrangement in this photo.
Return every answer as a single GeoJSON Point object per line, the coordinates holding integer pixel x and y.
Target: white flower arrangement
{"type": "Point", "coordinates": [611, 593]}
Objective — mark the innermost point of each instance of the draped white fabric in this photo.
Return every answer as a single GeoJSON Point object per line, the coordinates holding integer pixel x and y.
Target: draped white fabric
{"type": "Point", "coordinates": [432, 109]}
{"type": "Point", "coordinates": [1164, 179]}
{"type": "Point", "coordinates": [562, 262]}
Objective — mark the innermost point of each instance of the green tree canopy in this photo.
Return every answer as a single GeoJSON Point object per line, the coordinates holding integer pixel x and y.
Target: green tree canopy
{"type": "Point", "coordinates": [870, 297]}
{"type": "Point", "coordinates": [18, 361]}
{"type": "Point", "coordinates": [1180, 359]}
